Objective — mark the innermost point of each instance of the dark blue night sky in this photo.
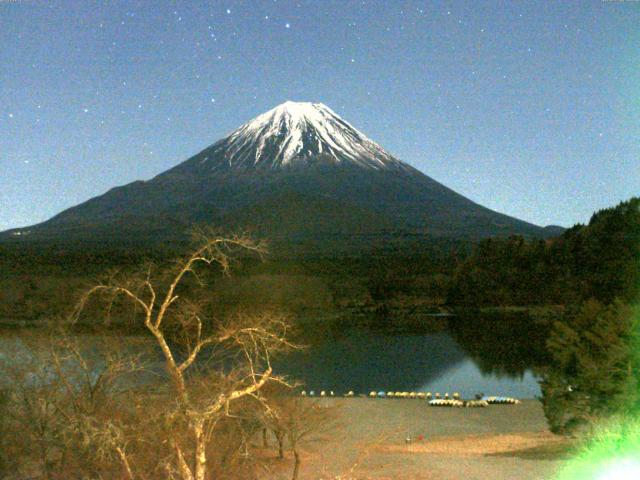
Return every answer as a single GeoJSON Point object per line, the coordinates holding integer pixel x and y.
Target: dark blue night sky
{"type": "Point", "coordinates": [530, 108]}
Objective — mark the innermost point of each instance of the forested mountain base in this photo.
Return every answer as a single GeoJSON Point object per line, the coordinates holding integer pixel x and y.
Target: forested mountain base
{"type": "Point", "coordinates": [600, 260]}
{"type": "Point", "coordinates": [40, 282]}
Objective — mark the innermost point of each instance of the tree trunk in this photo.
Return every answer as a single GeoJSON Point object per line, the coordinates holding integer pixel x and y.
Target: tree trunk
{"type": "Point", "coordinates": [183, 468]}
{"type": "Point", "coordinates": [296, 465]}
{"type": "Point", "coordinates": [201, 454]}
{"type": "Point", "coordinates": [280, 439]}
{"type": "Point", "coordinates": [172, 367]}
{"type": "Point", "coordinates": [44, 458]}
{"type": "Point", "coordinates": [125, 463]}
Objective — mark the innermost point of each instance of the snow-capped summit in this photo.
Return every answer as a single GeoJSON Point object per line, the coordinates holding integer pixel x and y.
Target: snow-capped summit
{"type": "Point", "coordinates": [298, 133]}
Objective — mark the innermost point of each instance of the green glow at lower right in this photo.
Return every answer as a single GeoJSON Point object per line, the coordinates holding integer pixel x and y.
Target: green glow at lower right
{"type": "Point", "coordinates": [626, 469]}
{"type": "Point", "coordinates": [612, 453]}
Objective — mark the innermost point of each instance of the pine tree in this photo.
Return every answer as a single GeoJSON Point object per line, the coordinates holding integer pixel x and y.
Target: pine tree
{"type": "Point", "coordinates": [594, 370]}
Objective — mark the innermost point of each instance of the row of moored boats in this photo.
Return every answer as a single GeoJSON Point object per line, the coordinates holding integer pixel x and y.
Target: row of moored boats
{"type": "Point", "coordinates": [435, 400]}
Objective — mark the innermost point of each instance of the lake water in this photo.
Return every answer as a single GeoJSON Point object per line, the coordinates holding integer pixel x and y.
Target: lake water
{"type": "Point", "coordinates": [363, 360]}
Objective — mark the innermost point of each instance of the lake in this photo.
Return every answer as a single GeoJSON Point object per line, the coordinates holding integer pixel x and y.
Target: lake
{"type": "Point", "coordinates": [491, 357]}
{"type": "Point", "coordinates": [364, 361]}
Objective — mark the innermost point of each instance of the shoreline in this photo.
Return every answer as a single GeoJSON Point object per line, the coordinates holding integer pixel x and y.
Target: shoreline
{"type": "Point", "coordinates": [499, 441]}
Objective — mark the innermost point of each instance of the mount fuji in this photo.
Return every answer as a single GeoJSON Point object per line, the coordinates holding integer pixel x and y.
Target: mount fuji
{"type": "Point", "coordinates": [297, 174]}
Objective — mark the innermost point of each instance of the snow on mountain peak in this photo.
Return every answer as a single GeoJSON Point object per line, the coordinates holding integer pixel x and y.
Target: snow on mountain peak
{"type": "Point", "coordinates": [300, 132]}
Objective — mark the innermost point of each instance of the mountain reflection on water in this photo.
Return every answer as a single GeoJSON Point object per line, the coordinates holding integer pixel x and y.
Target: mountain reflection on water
{"type": "Point", "coordinates": [362, 361]}
{"type": "Point", "coordinates": [470, 355]}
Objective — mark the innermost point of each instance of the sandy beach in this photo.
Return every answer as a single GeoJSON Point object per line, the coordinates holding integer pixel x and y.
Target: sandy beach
{"type": "Point", "coordinates": [370, 441]}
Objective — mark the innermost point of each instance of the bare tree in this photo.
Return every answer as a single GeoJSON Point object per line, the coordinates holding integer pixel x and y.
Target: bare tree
{"type": "Point", "coordinates": [31, 430]}
{"type": "Point", "coordinates": [91, 383]}
{"type": "Point", "coordinates": [305, 420]}
{"type": "Point", "coordinates": [176, 314]}
{"type": "Point", "coordinates": [296, 421]}
{"type": "Point", "coordinates": [59, 401]}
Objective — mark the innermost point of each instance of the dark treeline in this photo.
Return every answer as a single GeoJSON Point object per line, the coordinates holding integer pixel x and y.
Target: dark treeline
{"type": "Point", "coordinates": [41, 281]}
{"type": "Point", "coordinates": [598, 261]}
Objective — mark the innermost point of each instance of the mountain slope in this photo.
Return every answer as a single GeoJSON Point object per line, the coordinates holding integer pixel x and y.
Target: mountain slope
{"type": "Point", "coordinates": [296, 172]}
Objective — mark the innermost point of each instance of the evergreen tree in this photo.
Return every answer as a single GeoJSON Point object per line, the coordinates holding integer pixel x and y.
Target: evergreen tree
{"type": "Point", "coordinates": [594, 370]}
{"type": "Point", "coordinates": [600, 260]}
